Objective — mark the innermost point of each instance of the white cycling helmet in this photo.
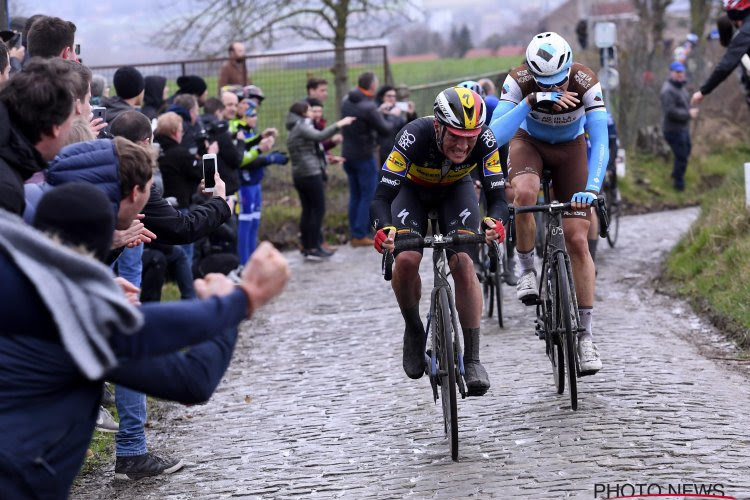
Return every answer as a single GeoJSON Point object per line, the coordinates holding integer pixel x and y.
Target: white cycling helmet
{"type": "Point", "coordinates": [549, 58]}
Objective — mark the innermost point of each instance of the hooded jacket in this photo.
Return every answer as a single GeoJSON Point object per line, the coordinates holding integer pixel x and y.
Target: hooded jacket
{"type": "Point", "coordinates": [94, 162]}
{"type": "Point", "coordinates": [115, 107]}
{"type": "Point", "coordinates": [303, 143]}
{"type": "Point", "coordinates": [19, 160]}
{"type": "Point", "coordinates": [360, 136]}
{"type": "Point", "coordinates": [153, 96]}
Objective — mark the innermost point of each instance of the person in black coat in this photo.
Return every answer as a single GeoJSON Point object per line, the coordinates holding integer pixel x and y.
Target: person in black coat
{"type": "Point", "coordinates": [36, 113]}
{"type": "Point", "coordinates": [153, 96]}
{"type": "Point", "coordinates": [359, 148]}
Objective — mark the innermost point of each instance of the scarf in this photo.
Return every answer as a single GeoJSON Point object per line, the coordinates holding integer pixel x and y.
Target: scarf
{"type": "Point", "coordinates": [86, 304]}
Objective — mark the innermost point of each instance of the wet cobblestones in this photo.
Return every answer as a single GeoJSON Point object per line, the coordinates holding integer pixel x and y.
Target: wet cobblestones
{"type": "Point", "coordinates": [316, 405]}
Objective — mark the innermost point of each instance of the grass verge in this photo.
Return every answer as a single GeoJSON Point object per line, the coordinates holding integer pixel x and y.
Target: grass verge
{"type": "Point", "coordinates": [710, 266]}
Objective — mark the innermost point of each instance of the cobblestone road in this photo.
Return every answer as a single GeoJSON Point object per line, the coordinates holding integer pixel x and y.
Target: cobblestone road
{"type": "Point", "coordinates": [316, 405]}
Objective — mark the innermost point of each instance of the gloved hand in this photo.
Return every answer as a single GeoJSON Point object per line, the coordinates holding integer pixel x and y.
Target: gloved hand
{"type": "Point", "coordinates": [490, 224]}
{"type": "Point", "coordinates": [583, 199]}
{"type": "Point", "coordinates": [553, 97]}
{"type": "Point", "coordinates": [381, 236]}
{"type": "Point", "coordinates": [276, 157]}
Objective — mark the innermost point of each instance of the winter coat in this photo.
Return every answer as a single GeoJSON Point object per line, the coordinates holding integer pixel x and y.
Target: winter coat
{"type": "Point", "coordinates": [153, 96]}
{"type": "Point", "coordinates": [180, 169]}
{"type": "Point", "coordinates": [115, 107]}
{"type": "Point", "coordinates": [675, 106]}
{"type": "Point", "coordinates": [229, 158]}
{"type": "Point", "coordinates": [48, 407]}
{"type": "Point", "coordinates": [19, 160]}
{"type": "Point", "coordinates": [95, 162]}
{"type": "Point", "coordinates": [303, 143]}
{"type": "Point", "coordinates": [360, 137]}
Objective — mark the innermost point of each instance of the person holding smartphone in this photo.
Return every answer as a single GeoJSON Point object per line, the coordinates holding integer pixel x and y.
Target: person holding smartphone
{"type": "Point", "coordinates": [394, 114]}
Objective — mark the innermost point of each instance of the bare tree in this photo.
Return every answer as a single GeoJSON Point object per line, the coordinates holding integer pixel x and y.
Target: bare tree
{"type": "Point", "coordinates": [699, 12]}
{"type": "Point", "coordinates": [264, 21]}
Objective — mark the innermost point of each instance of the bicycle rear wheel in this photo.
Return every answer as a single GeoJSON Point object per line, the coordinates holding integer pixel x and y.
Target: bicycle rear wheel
{"type": "Point", "coordinates": [551, 326]}
{"type": "Point", "coordinates": [566, 327]}
{"type": "Point", "coordinates": [442, 337]}
{"type": "Point", "coordinates": [614, 207]}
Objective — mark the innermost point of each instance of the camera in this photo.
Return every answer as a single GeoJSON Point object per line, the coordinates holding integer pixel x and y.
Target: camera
{"type": "Point", "coordinates": [210, 133]}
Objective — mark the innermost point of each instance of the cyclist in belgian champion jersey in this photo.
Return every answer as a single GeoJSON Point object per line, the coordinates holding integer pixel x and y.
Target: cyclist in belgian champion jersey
{"type": "Point", "coordinates": [546, 105]}
{"type": "Point", "coordinates": [427, 169]}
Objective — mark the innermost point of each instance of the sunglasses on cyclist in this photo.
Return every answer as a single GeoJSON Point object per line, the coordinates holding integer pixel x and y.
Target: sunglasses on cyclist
{"type": "Point", "coordinates": [547, 86]}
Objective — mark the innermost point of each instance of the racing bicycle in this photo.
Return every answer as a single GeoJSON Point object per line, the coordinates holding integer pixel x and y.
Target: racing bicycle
{"type": "Point", "coordinates": [444, 361]}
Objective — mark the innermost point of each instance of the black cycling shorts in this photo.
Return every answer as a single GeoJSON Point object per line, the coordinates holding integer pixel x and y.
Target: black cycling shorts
{"type": "Point", "coordinates": [456, 206]}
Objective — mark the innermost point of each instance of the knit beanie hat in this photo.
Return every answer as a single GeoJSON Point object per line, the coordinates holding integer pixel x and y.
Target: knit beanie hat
{"type": "Point", "coordinates": [191, 84]}
{"type": "Point", "coordinates": [79, 214]}
{"type": "Point", "coordinates": [128, 82]}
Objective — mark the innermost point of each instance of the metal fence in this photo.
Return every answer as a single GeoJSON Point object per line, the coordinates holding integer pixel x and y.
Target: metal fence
{"type": "Point", "coordinates": [281, 76]}
{"type": "Point", "coordinates": [423, 96]}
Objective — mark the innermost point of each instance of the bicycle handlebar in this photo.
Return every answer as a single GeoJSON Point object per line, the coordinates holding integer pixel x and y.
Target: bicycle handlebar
{"type": "Point", "coordinates": [556, 207]}
{"type": "Point", "coordinates": [414, 241]}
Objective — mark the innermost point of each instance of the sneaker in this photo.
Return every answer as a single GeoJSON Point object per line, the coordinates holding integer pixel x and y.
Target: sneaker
{"type": "Point", "coordinates": [510, 275]}
{"type": "Point", "coordinates": [316, 255]}
{"type": "Point", "coordinates": [105, 422]}
{"type": "Point", "coordinates": [477, 380]}
{"type": "Point", "coordinates": [588, 357]}
{"type": "Point", "coordinates": [362, 242]}
{"type": "Point", "coordinates": [414, 349]}
{"type": "Point", "coordinates": [325, 252]}
{"type": "Point", "coordinates": [526, 290]}
{"type": "Point", "coordinates": [108, 399]}
{"type": "Point", "coordinates": [328, 247]}
{"type": "Point", "coordinates": [146, 465]}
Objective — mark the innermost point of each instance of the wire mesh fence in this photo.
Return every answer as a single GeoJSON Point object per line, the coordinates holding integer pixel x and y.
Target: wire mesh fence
{"type": "Point", "coordinates": [281, 76]}
{"type": "Point", "coordinates": [423, 95]}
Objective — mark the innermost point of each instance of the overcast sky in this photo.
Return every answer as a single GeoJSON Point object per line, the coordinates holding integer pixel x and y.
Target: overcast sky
{"type": "Point", "coordinates": [118, 32]}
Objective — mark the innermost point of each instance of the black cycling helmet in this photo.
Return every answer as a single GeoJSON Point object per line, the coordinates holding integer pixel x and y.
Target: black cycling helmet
{"type": "Point", "coordinates": [461, 110]}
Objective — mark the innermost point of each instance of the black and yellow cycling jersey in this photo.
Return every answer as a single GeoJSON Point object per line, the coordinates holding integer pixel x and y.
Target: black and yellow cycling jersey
{"type": "Point", "coordinates": [417, 160]}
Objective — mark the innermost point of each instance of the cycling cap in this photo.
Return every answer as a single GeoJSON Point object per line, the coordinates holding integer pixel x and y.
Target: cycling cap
{"type": "Point", "coordinates": [549, 57]}
{"type": "Point", "coordinates": [472, 85]}
{"type": "Point", "coordinates": [461, 110]}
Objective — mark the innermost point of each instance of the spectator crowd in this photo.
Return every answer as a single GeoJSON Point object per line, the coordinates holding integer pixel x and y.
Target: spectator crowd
{"type": "Point", "coordinates": [103, 199]}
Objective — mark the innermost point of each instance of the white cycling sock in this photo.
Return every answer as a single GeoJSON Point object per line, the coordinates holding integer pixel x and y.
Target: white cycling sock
{"type": "Point", "coordinates": [526, 259]}
{"type": "Point", "coordinates": [585, 314]}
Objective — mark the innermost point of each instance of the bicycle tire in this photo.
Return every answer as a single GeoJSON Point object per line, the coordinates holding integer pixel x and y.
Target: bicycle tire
{"type": "Point", "coordinates": [552, 332]}
{"type": "Point", "coordinates": [443, 341]}
{"type": "Point", "coordinates": [497, 279]}
{"type": "Point", "coordinates": [613, 209]}
{"type": "Point", "coordinates": [563, 287]}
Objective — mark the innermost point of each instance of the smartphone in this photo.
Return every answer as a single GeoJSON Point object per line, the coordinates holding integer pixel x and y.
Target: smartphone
{"type": "Point", "coordinates": [99, 112]}
{"type": "Point", "coordinates": [209, 169]}
{"type": "Point", "coordinates": [404, 106]}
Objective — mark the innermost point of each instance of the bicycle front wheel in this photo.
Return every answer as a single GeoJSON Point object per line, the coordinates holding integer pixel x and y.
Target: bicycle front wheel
{"type": "Point", "coordinates": [442, 336]}
{"type": "Point", "coordinates": [497, 284]}
{"type": "Point", "coordinates": [565, 325]}
{"type": "Point", "coordinates": [552, 336]}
